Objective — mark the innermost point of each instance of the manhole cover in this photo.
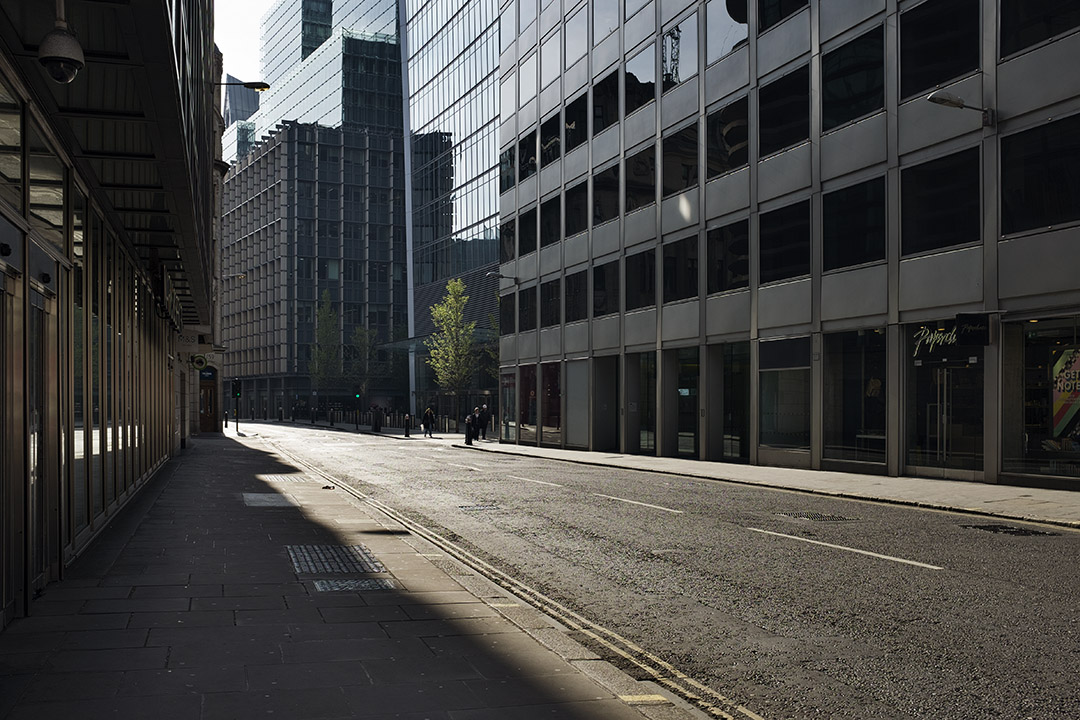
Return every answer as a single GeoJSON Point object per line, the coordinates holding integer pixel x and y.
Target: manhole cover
{"type": "Point", "coordinates": [268, 500]}
{"type": "Point", "coordinates": [477, 508]}
{"type": "Point", "coordinates": [1008, 530]}
{"type": "Point", "coordinates": [333, 559]}
{"type": "Point", "coordinates": [283, 478]}
{"type": "Point", "coordinates": [353, 585]}
{"type": "Point", "coordinates": [817, 517]}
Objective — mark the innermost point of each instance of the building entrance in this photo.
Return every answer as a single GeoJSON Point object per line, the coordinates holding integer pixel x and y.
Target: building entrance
{"type": "Point", "coordinates": [945, 407]}
{"type": "Point", "coordinates": [209, 416]}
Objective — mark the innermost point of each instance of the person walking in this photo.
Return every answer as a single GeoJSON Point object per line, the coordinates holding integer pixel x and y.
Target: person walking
{"type": "Point", "coordinates": [468, 430]}
{"type": "Point", "coordinates": [484, 417]}
{"type": "Point", "coordinates": [429, 423]}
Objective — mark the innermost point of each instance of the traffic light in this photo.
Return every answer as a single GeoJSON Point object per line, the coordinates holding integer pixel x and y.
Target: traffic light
{"type": "Point", "coordinates": [236, 388]}
{"type": "Point", "coordinates": [356, 393]}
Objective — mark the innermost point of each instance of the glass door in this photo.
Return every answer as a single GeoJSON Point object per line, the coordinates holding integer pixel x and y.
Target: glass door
{"type": "Point", "coordinates": [36, 437]}
{"type": "Point", "coordinates": [945, 413]}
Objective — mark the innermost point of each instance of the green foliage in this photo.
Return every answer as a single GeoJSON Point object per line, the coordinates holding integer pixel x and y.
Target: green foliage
{"type": "Point", "coordinates": [359, 363]}
{"type": "Point", "coordinates": [452, 346]}
{"type": "Point", "coordinates": [326, 352]}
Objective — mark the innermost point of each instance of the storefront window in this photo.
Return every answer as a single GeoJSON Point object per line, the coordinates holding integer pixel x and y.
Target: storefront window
{"type": "Point", "coordinates": [854, 397]}
{"type": "Point", "coordinates": [508, 404]}
{"type": "Point", "coordinates": [784, 386]}
{"type": "Point", "coordinates": [689, 369]}
{"type": "Point", "coordinates": [552, 409]}
{"type": "Point", "coordinates": [1041, 398]}
{"type": "Point", "coordinates": [528, 406]}
{"type": "Point", "coordinates": [647, 403]}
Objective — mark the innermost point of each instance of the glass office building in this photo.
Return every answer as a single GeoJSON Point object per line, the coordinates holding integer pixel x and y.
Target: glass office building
{"type": "Point", "coordinates": [738, 231]}
{"type": "Point", "coordinates": [314, 212]}
{"type": "Point", "coordinates": [452, 79]}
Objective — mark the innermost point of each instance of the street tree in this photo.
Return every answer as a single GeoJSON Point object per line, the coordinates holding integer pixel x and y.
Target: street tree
{"type": "Point", "coordinates": [326, 352]}
{"type": "Point", "coordinates": [359, 364]}
{"type": "Point", "coordinates": [452, 345]}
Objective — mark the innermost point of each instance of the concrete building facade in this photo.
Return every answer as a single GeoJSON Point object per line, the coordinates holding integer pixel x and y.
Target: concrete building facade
{"type": "Point", "coordinates": [738, 231]}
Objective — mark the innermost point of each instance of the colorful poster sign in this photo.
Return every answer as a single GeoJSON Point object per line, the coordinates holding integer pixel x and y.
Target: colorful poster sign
{"type": "Point", "coordinates": [1065, 383]}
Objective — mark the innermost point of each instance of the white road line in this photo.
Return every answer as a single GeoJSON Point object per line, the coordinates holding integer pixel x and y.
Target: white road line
{"type": "Point", "coordinates": [848, 549]}
{"type": "Point", "coordinates": [635, 502]}
{"type": "Point", "coordinates": [467, 467]}
{"type": "Point", "coordinates": [538, 482]}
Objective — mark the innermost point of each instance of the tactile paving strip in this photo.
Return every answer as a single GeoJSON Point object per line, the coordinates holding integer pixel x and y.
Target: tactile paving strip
{"type": "Point", "coordinates": [353, 585]}
{"type": "Point", "coordinates": [333, 559]}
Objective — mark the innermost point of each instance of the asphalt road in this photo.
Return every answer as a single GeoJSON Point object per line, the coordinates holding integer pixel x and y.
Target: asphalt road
{"type": "Point", "coordinates": [794, 605]}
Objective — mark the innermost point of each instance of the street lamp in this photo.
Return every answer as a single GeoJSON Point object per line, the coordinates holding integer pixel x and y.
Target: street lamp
{"type": "Point", "coordinates": [256, 85]}
{"type": "Point", "coordinates": [941, 97]}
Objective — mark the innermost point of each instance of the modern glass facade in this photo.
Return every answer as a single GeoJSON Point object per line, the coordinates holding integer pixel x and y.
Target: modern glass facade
{"type": "Point", "coordinates": [452, 66]}
{"type": "Point", "coordinates": [314, 217]}
{"type": "Point", "coordinates": [106, 276]}
{"type": "Point", "coordinates": [840, 274]}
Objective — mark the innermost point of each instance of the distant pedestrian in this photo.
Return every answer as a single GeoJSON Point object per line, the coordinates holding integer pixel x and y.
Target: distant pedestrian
{"type": "Point", "coordinates": [485, 418]}
{"type": "Point", "coordinates": [468, 430]}
{"type": "Point", "coordinates": [429, 423]}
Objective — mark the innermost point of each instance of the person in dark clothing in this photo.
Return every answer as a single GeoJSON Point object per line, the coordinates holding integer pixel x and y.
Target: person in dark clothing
{"type": "Point", "coordinates": [468, 430]}
{"type": "Point", "coordinates": [484, 417]}
{"type": "Point", "coordinates": [429, 423]}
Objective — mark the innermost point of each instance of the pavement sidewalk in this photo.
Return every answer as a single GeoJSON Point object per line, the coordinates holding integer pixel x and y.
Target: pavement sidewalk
{"type": "Point", "coordinates": [237, 585]}
{"type": "Point", "coordinates": [1056, 507]}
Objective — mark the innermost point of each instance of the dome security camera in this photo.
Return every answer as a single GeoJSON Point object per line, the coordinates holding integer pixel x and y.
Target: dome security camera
{"type": "Point", "coordinates": [60, 54]}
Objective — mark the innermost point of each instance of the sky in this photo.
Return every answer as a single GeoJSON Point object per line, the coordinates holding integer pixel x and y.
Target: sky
{"type": "Point", "coordinates": [236, 32]}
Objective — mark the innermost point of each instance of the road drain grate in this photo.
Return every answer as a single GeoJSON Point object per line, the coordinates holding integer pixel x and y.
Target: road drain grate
{"type": "Point", "coordinates": [1008, 530]}
{"type": "Point", "coordinates": [353, 585]}
{"type": "Point", "coordinates": [333, 559]}
{"type": "Point", "coordinates": [477, 508]}
{"type": "Point", "coordinates": [817, 517]}
{"type": "Point", "coordinates": [284, 478]}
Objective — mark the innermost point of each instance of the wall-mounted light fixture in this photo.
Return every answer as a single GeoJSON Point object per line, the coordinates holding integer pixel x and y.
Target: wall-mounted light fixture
{"type": "Point", "coordinates": [940, 97]}
{"type": "Point", "coordinates": [60, 52]}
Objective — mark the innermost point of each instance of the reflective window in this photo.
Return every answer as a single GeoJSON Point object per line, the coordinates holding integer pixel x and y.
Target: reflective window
{"type": "Point", "coordinates": [576, 33]}
{"type": "Point", "coordinates": [939, 41]}
{"type": "Point", "coordinates": [854, 397]}
{"type": "Point", "coordinates": [577, 118]}
{"type": "Point", "coordinates": [507, 172]}
{"type": "Point", "coordinates": [551, 303]}
{"type": "Point", "coordinates": [606, 103]}
{"type": "Point", "coordinates": [527, 309]}
{"type": "Point", "coordinates": [728, 249]}
{"type": "Point", "coordinates": [940, 203]}
{"type": "Point", "coordinates": [577, 209]}
{"type": "Point", "coordinates": [1040, 176]}
{"type": "Point", "coordinates": [853, 79]}
{"type": "Point", "coordinates": [551, 59]}
{"type": "Point", "coordinates": [527, 233]}
{"type": "Point", "coordinates": [605, 19]}
{"type": "Point", "coordinates": [640, 280]}
{"type": "Point", "coordinates": [606, 289]}
{"type": "Point", "coordinates": [551, 404]}
{"type": "Point", "coordinates": [528, 407]}
{"type": "Point", "coordinates": [526, 14]}
{"type": "Point", "coordinates": [632, 6]}
{"type": "Point", "coordinates": [784, 393]}
{"type": "Point", "coordinates": [853, 225]}
{"type": "Point", "coordinates": [606, 195]}
{"type": "Point", "coordinates": [551, 221]}
{"type": "Point", "coordinates": [527, 156]}
{"type": "Point", "coordinates": [509, 96]}
{"type": "Point", "coordinates": [680, 157]}
{"type": "Point", "coordinates": [507, 242]}
{"type": "Point", "coordinates": [550, 145]}
{"type": "Point", "coordinates": [770, 12]}
{"type": "Point", "coordinates": [785, 242]}
{"type": "Point", "coordinates": [507, 314]}
{"type": "Point", "coordinates": [46, 188]}
{"type": "Point", "coordinates": [527, 81]}
{"type": "Point", "coordinates": [784, 108]}
{"type": "Point", "coordinates": [681, 269]}
{"type": "Point", "coordinates": [640, 81]}
{"type": "Point", "coordinates": [11, 140]}
{"type": "Point", "coordinates": [725, 28]}
{"type": "Point", "coordinates": [577, 296]}
{"type": "Point", "coordinates": [728, 141]}
{"type": "Point", "coordinates": [679, 55]}
{"type": "Point", "coordinates": [1029, 22]}
{"type": "Point", "coordinates": [641, 179]}
{"type": "Point", "coordinates": [508, 27]}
